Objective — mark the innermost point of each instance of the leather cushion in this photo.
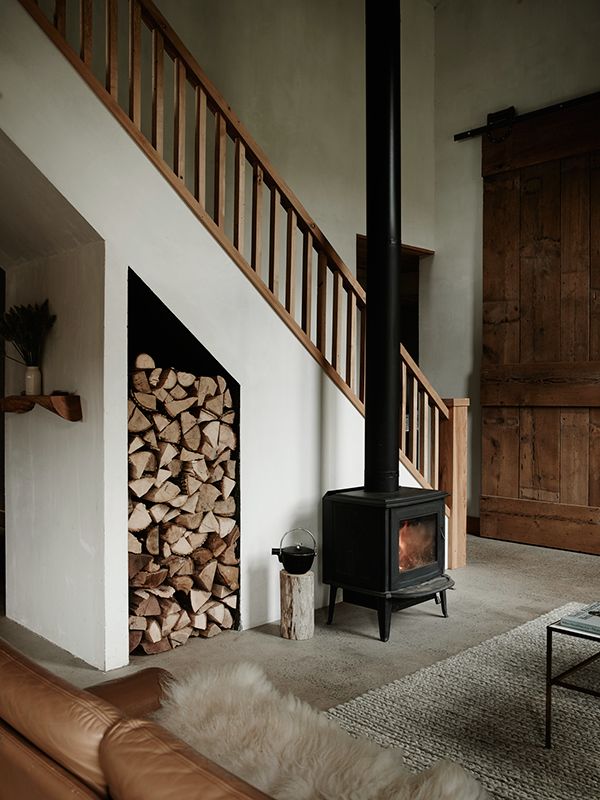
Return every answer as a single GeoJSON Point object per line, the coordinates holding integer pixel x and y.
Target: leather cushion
{"type": "Point", "coordinates": [136, 695]}
{"type": "Point", "coordinates": [143, 761]}
{"type": "Point", "coordinates": [62, 721]}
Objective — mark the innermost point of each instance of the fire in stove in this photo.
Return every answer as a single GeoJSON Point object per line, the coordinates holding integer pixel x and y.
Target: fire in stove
{"type": "Point", "coordinates": [417, 543]}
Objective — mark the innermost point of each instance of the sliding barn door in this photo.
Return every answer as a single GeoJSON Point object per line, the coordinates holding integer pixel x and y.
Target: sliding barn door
{"type": "Point", "coordinates": [540, 385]}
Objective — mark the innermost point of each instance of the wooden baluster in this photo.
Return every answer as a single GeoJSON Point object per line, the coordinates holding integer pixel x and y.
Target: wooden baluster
{"type": "Point", "coordinates": [321, 301]}
{"type": "Point", "coordinates": [362, 361]}
{"type": "Point", "coordinates": [86, 17]}
{"type": "Point", "coordinates": [220, 156]}
{"type": "Point", "coordinates": [351, 339]}
{"type": "Point", "coordinates": [435, 448]}
{"type": "Point", "coordinates": [274, 243]}
{"type": "Point", "coordinates": [335, 322]}
{"type": "Point", "coordinates": [60, 17]}
{"type": "Point", "coordinates": [239, 196]}
{"type": "Point", "coordinates": [158, 91]}
{"type": "Point", "coordinates": [112, 53]}
{"type": "Point", "coordinates": [200, 147]}
{"type": "Point", "coordinates": [290, 263]}
{"type": "Point", "coordinates": [135, 66]}
{"type": "Point", "coordinates": [307, 277]}
{"type": "Point", "coordinates": [257, 210]}
{"type": "Point", "coordinates": [179, 127]}
{"type": "Point", "coordinates": [414, 416]}
{"type": "Point", "coordinates": [403, 396]}
{"type": "Point", "coordinates": [424, 438]}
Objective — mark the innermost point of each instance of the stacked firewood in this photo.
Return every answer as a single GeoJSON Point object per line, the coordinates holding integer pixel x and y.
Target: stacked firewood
{"type": "Point", "coordinates": [183, 534]}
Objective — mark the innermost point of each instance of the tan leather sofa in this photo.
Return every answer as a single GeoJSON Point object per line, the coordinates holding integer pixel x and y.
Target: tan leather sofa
{"type": "Point", "coordinates": [58, 742]}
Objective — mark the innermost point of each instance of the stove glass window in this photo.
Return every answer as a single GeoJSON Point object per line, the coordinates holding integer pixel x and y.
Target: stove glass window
{"type": "Point", "coordinates": [417, 542]}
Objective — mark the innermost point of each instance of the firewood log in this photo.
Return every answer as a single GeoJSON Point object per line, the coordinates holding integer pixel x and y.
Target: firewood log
{"type": "Point", "coordinates": [168, 623]}
{"type": "Point", "coordinates": [172, 433]}
{"type": "Point", "coordinates": [144, 606]}
{"type": "Point", "coordinates": [191, 438]}
{"type": "Point", "coordinates": [180, 637]}
{"type": "Point", "coordinates": [220, 591]}
{"type": "Point", "coordinates": [216, 474]}
{"type": "Point", "coordinates": [183, 620]}
{"type": "Point", "coordinates": [214, 404]}
{"type": "Point", "coordinates": [152, 632]}
{"type": "Point", "coordinates": [141, 486]}
{"type": "Point", "coordinates": [139, 380]}
{"type": "Point", "coordinates": [226, 525]}
{"type": "Point", "coordinates": [135, 637]}
{"type": "Point", "coordinates": [232, 537]}
{"type": "Point", "coordinates": [209, 523]}
{"type": "Point", "coordinates": [226, 437]}
{"type": "Point", "coordinates": [182, 547]}
{"type": "Point", "coordinates": [152, 541]}
{"type": "Point", "coordinates": [211, 630]}
{"type": "Point", "coordinates": [139, 519]}
{"type": "Point", "coordinates": [206, 386]}
{"type": "Point", "coordinates": [137, 562]}
{"type": "Point", "coordinates": [138, 461]}
{"type": "Point", "coordinates": [228, 417]}
{"type": "Point", "coordinates": [227, 399]}
{"type": "Point", "coordinates": [164, 493]}
{"type": "Point", "coordinates": [202, 555]}
{"type": "Point", "coordinates": [229, 575]}
{"type": "Point", "coordinates": [182, 583]}
{"type": "Point", "coordinates": [158, 511]}
{"type": "Point", "coordinates": [231, 600]}
{"type": "Point", "coordinates": [197, 539]}
{"type": "Point", "coordinates": [173, 533]}
{"type": "Point", "coordinates": [189, 507]}
{"type": "Point", "coordinates": [206, 576]}
{"type": "Point", "coordinates": [177, 393]}
{"type": "Point", "coordinates": [227, 486]}
{"type": "Point", "coordinates": [150, 438]}
{"type": "Point", "coordinates": [190, 521]}
{"type": "Point", "coordinates": [169, 606]}
{"type": "Point", "coordinates": [206, 416]}
{"type": "Point", "coordinates": [160, 422]}
{"type": "Point", "coordinates": [165, 549]}
{"type": "Point", "coordinates": [200, 468]}
{"type": "Point", "coordinates": [228, 556]}
{"type": "Point", "coordinates": [138, 421]}
{"type": "Point", "coordinates": [216, 613]}
{"type": "Point", "coordinates": [162, 394]}
{"type": "Point", "coordinates": [151, 648]}
{"type": "Point", "coordinates": [144, 361]}
{"type": "Point", "coordinates": [161, 591]}
{"type": "Point", "coordinates": [230, 468]}
{"type": "Point", "coordinates": [185, 379]}
{"type": "Point", "coordinates": [145, 400]}
{"type": "Point", "coordinates": [138, 623]}
{"type": "Point", "coordinates": [207, 497]}
{"type": "Point", "coordinates": [216, 544]}
{"type": "Point", "coordinates": [225, 508]}
{"type": "Point", "coordinates": [176, 407]}
{"type": "Point", "coordinates": [171, 514]}
{"type": "Point", "coordinates": [174, 467]}
{"type": "Point", "coordinates": [161, 476]}
{"type": "Point", "coordinates": [133, 544]}
{"type": "Point", "coordinates": [135, 444]}
{"type": "Point", "coordinates": [191, 484]}
{"type": "Point", "coordinates": [210, 432]}
{"type": "Point", "coordinates": [198, 597]}
{"type": "Point", "coordinates": [187, 421]}
{"type": "Point", "coordinates": [221, 383]}
{"type": "Point", "coordinates": [198, 621]}
{"type": "Point", "coordinates": [227, 621]}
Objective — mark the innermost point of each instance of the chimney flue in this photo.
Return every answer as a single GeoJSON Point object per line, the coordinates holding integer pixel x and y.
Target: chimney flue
{"type": "Point", "coordinates": [382, 397]}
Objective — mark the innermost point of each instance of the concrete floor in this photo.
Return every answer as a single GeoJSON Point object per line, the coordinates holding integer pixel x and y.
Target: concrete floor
{"type": "Point", "coordinates": [504, 585]}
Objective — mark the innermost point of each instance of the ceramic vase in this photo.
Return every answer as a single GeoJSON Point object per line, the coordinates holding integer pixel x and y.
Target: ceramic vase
{"type": "Point", "coordinates": [33, 380]}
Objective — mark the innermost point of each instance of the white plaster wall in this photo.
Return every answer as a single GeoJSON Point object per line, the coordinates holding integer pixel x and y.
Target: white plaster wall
{"type": "Point", "coordinates": [299, 435]}
{"type": "Point", "coordinates": [54, 468]}
{"type": "Point", "coordinates": [293, 72]}
{"type": "Point", "coordinates": [489, 55]}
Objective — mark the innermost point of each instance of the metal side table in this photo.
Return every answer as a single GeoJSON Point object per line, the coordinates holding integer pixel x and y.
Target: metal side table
{"type": "Point", "coordinates": [559, 680]}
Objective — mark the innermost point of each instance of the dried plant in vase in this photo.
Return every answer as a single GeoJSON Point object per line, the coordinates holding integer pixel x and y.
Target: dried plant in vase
{"type": "Point", "coordinates": [26, 328]}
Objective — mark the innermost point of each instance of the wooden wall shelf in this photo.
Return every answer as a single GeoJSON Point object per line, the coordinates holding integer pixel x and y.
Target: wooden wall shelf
{"type": "Point", "coordinates": [67, 406]}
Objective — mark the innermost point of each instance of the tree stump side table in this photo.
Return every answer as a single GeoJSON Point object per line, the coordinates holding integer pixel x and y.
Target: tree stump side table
{"type": "Point", "coordinates": [297, 595]}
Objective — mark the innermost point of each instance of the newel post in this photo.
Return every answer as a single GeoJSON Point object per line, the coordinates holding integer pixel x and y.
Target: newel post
{"type": "Point", "coordinates": [453, 477]}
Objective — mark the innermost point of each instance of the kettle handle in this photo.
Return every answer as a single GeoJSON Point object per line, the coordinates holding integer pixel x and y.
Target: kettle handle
{"type": "Point", "coordinates": [298, 529]}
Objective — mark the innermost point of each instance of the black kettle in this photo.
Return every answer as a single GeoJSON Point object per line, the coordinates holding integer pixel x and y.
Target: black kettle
{"type": "Point", "coordinates": [296, 557]}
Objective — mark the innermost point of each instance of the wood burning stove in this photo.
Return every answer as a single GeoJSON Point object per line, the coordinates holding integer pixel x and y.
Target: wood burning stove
{"type": "Point", "coordinates": [383, 544]}
{"type": "Point", "coordinates": [385, 550]}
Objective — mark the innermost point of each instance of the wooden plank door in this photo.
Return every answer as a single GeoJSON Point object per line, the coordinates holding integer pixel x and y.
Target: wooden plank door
{"type": "Point", "coordinates": [540, 385]}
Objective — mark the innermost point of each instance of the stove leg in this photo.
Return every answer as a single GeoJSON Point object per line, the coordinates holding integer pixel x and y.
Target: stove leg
{"type": "Point", "coordinates": [332, 599]}
{"type": "Point", "coordinates": [444, 603]}
{"type": "Point", "coordinates": [384, 617]}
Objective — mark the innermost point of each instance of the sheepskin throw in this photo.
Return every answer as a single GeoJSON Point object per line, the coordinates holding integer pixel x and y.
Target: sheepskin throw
{"type": "Point", "coordinates": [291, 751]}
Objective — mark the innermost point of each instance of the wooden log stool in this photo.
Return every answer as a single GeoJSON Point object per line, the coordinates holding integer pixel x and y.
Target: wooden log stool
{"type": "Point", "coordinates": [297, 593]}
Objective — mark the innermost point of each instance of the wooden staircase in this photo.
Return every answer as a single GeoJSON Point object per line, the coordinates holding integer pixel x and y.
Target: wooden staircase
{"type": "Point", "coordinates": [163, 99]}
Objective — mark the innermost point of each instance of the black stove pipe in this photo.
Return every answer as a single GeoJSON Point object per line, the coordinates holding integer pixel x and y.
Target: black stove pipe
{"type": "Point", "coordinates": [382, 391]}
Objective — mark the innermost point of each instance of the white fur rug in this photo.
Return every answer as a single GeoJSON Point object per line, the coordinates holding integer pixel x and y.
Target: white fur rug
{"type": "Point", "coordinates": [283, 746]}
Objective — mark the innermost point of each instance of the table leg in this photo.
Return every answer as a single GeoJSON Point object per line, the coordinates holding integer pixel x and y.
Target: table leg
{"type": "Point", "coordinates": [548, 688]}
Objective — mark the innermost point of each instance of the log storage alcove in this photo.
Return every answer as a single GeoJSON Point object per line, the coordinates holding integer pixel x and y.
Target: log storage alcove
{"type": "Point", "coordinates": [183, 528]}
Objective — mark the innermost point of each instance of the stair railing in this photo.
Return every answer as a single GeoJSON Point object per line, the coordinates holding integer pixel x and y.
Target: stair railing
{"type": "Point", "coordinates": [140, 69]}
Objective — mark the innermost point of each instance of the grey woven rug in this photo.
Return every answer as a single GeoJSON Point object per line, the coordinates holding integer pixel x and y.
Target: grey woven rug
{"type": "Point", "coordinates": [485, 709]}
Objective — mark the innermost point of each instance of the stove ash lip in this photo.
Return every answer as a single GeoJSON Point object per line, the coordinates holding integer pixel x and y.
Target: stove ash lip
{"type": "Point", "coordinates": [402, 496]}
